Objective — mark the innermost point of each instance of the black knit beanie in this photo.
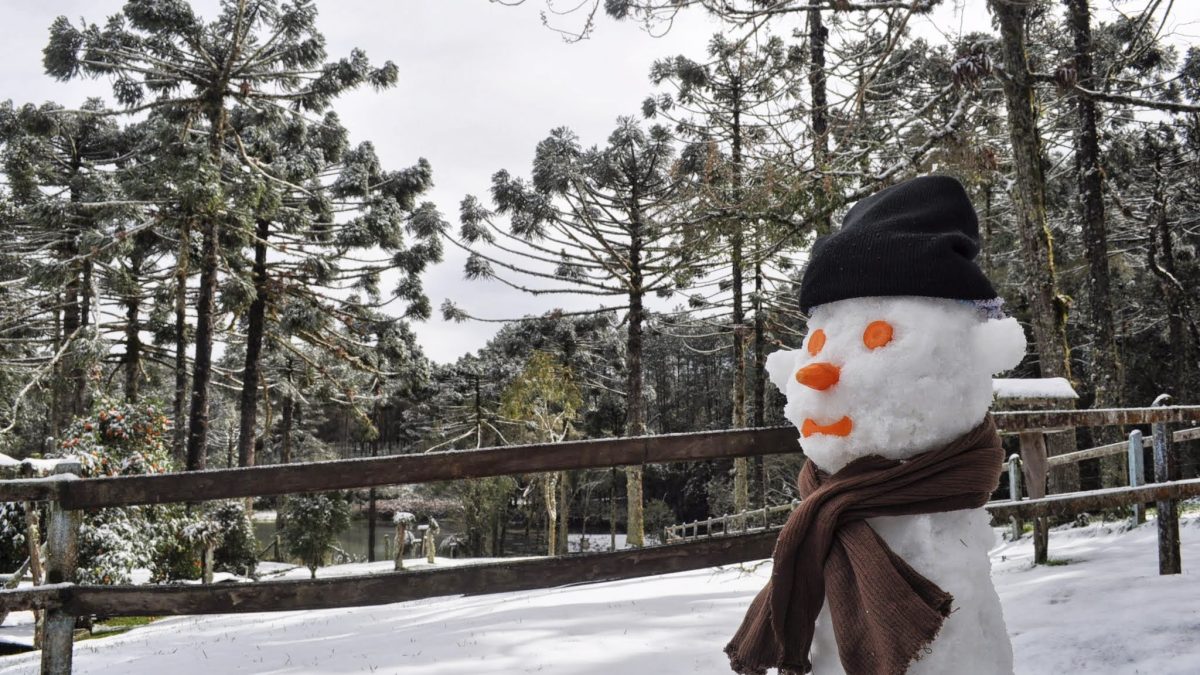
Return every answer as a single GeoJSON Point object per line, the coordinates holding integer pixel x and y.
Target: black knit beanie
{"type": "Point", "coordinates": [919, 237]}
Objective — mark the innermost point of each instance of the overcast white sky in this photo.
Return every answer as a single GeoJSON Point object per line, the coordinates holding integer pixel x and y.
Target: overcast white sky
{"type": "Point", "coordinates": [480, 85]}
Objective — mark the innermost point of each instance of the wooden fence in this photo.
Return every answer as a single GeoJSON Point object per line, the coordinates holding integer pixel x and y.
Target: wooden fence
{"type": "Point", "coordinates": [68, 495]}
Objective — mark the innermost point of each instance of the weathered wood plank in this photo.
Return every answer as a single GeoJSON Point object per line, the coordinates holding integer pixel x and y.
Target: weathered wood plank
{"type": "Point", "coordinates": [1053, 420]}
{"type": "Point", "coordinates": [29, 490]}
{"type": "Point", "coordinates": [405, 469]}
{"type": "Point", "coordinates": [1078, 502]}
{"type": "Point", "coordinates": [39, 597]}
{"type": "Point", "coordinates": [380, 589]}
{"type": "Point", "coordinates": [401, 469]}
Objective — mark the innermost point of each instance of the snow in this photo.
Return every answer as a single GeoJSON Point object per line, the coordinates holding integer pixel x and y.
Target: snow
{"type": "Point", "coordinates": [38, 465]}
{"type": "Point", "coordinates": [264, 516]}
{"type": "Point", "coordinates": [1039, 388]}
{"type": "Point", "coordinates": [896, 377]}
{"type": "Point", "coordinates": [1106, 611]}
{"type": "Point", "coordinates": [930, 384]}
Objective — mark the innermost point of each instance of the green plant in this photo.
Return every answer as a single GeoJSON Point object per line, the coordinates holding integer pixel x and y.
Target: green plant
{"type": "Point", "coordinates": [13, 549]}
{"type": "Point", "coordinates": [237, 551]}
{"type": "Point", "coordinates": [658, 515]}
{"type": "Point", "coordinates": [118, 438]}
{"type": "Point", "coordinates": [312, 523]}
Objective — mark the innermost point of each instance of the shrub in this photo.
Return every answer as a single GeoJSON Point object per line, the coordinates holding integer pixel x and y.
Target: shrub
{"type": "Point", "coordinates": [123, 439]}
{"type": "Point", "coordinates": [311, 525]}
{"type": "Point", "coordinates": [238, 549]}
{"type": "Point", "coordinates": [658, 514]}
{"type": "Point", "coordinates": [13, 549]}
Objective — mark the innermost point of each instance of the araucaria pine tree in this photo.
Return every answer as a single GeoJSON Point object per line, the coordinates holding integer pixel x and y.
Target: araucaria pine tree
{"type": "Point", "coordinates": [162, 57]}
{"type": "Point", "coordinates": [603, 222]}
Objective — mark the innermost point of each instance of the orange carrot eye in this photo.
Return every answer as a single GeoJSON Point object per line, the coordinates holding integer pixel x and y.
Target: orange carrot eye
{"type": "Point", "coordinates": [877, 334]}
{"type": "Point", "coordinates": [816, 342]}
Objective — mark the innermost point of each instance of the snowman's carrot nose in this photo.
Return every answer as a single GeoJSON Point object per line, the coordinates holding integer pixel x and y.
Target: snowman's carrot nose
{"type": "Point", "coordinates": [819, 376]}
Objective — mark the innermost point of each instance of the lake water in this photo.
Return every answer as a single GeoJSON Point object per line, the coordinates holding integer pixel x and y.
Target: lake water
{"type": "Point", "coordinates": [353, 540]}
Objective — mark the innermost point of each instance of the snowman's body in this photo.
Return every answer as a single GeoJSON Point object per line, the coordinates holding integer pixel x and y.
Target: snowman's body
{"type": "Point", "coordinates": [896, 377]}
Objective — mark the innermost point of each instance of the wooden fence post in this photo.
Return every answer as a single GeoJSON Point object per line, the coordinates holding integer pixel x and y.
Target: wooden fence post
{"type": "Point", "coordinates": [62, 535]}
{"type": "Point", "coordinates": [1034, 465]}
{"type": "Point", "coordinates": [431, 540]}
{"type": "Point", "coordinates": [1137, 472]}
{"type": "Point", "coordinates": [1014, 493]}
{"type": "Point", "coordinates": [1166, 468]}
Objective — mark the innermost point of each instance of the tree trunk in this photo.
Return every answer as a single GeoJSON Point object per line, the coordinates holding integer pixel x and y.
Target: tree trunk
{"type": "Point", "coordinates": [1105, 362]}
{"type": "Point", "coordinates": [550, 496]}
{"type": "Point", "coordinates": [635, 402]}
{"type": "Point", "coordinates": [1048, 307]}
{"type": "Point", "coordinates": [197, 446]}
{"type": "Point", "coordinates": [179, 440]}
{"type": "Point", "coordinates": [1162, 265]}
{"type": "Point", "coordinates": [256, 320]}
{"type": "Point", "coordinates": [818, 35]}
{"type": "Point", "coordinates": [70, 379]}
{"type": "Point", "coordinates": [760, 381]}
{"type": "Point", "coordinates": [285, 443]}
{"type": "Point", "coordinates": [741, 466]}
{"type": "Point", "coordinates": [81, 401]}
{"type": "Point", "coordinates": [133, 337]}
{"type": "Point", "coordinates": [564, 512]}
{"type": "Point", "coordinates": [635, 422]}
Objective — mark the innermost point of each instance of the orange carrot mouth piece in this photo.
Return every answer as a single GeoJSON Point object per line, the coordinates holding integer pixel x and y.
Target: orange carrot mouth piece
{"type": "Point", "coordinates": [841, 427]}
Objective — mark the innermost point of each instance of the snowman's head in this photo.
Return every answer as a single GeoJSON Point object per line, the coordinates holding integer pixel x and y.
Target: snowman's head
{"type": "Point", "coordinates": [892, 376]}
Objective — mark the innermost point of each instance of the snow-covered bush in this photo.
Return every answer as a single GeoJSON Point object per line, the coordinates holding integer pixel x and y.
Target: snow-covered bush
{"type": "Point", "coordinates": [175, 556]}
{"type": "Point", "coordinates": [13, 549]}
{"type": "Point", "coordinates": [124, 439]}
{"type": "Point", "coordinates": [238, 550]}
{"type": "Point", "coordinates": [311, 525]}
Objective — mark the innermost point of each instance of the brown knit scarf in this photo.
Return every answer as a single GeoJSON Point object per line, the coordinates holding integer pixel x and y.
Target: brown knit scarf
{"type": "Point", "coordinates": [884, 612]}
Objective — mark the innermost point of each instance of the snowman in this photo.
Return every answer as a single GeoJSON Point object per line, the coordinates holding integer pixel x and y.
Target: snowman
{"type": "Point", "coordinates": [883, 568]}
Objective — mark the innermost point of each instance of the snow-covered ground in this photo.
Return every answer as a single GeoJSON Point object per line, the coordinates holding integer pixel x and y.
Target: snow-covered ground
{"type": "Point", "coordinates": [1105, 610]}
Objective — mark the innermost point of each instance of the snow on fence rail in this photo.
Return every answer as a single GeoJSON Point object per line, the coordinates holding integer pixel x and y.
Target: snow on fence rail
{"type": "Point", "coordinates": [63, 600]}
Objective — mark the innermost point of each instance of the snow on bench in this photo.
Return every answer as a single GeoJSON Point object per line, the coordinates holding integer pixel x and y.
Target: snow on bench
{"type": "Point", "coordinates": [1026, 389]}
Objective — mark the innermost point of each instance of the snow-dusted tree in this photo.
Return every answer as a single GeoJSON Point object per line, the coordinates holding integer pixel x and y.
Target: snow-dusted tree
{"type": "Point", "coordinates": [733, 109]}
{"type": "Point", "coordinates": [602, 222]}
{"type": "Point", "coordinates": [67, 205]}
{"type": "Point", "coordinates": [546, 399]}
{"type": "Point", "coordinates": [161, 56]}
{"type": "Point", "coordinates": [337, 220]}
{"type": "Point", "coordinates": [312, 523]}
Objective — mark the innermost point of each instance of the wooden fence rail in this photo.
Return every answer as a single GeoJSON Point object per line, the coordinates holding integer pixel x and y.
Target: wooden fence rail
{"type": "Point", "coordinates": [70, 495]}
{"type": "Point", "coordinates": [406, 469]}
{"type": "Point", "coordinates": [282, 479]}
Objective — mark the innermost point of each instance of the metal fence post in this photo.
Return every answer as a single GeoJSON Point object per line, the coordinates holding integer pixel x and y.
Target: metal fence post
{"type": "Point", "coordinates": [62, 538]}
{"type": "Point", "coordinates": [1137, 472]}
{"type": "Point", "coordinates": [1166, 468]}
{"type": "Point", "coordinates": [1014, 492]}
